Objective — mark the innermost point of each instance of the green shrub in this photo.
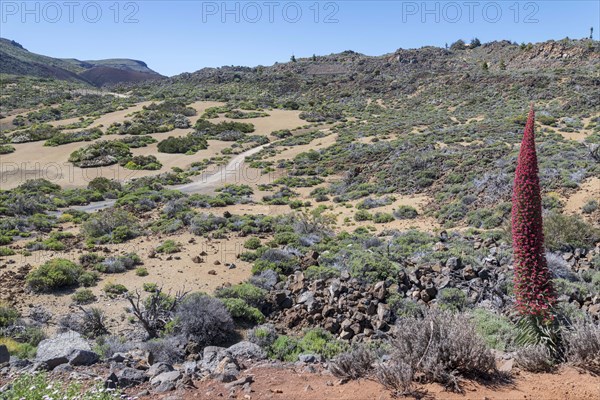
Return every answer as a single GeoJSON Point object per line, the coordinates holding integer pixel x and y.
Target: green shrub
{"type": "Point", "coordinates": [150, 287]}
{"type": "Point", "coordinates": [54, 274]}
{"type": "Point", "coordinates": [321, 272]}
{"type": "Point", "coordinates": [169, 247]}
{"type": "Point", "coordinates": [239, 309]}
{"type": "Point", "coordinates": [100, 153]}
{"type": "Point", "coordinates": [84, 296]}
{"type": "Point", "coordinates": [8, 315]}
{"type": "Point", "coordinates": [405, 308]}
{"type": "Point", "coordinates": [562, 231]}
{"type": "Point", "coordinates": [406, 212]}
{"type": "Point", "coordinates": [253, 243]}
{"type": "Point", "coordinates": [452, 299]}
{"type": "Point", "coordinates": [382, 218]}
{"type": "Point", "coordinates": [149, 163]}
{"type": "Point", "coordinates": [314, 341]}
{"type": "Point", "coordinates": [141, 271]}
{"type": "Point", "coordinates": [114, 289]}
{"type": "Point", "coordinates": [496, 330]}
{"type": "Point", "coordinates": [88, 278]}
{"type": "Point", "coordinates": [362, 215]}
{"type": "Point", "coordinates": [6, 251]}
{"type": "Point", "coordinates": [251, 294]}
{"type": "Point", "coordinates": [589, 207]}
{"type": "Point", "coordinates": [111, 226]}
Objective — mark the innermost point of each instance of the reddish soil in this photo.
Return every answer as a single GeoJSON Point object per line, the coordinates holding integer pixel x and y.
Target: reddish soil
{"type": "Point", "coordinates": [294, 384]}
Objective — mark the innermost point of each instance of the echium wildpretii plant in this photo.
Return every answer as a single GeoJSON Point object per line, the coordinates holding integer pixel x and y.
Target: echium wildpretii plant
{"type": "Point", "coordinates": [534, 291]}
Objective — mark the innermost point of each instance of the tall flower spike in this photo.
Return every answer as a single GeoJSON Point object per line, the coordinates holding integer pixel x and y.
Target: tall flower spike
{"type": "Point", "coordinates": [534, 291]}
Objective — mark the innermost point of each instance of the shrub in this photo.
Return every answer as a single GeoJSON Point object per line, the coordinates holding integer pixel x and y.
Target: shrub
{"type": "Point", "coordinates": [107, 346]}
{"type": "Point", "coordinates": [354, 364]}
{"type": "Point", "coordinates": [149, 287]}
{"type": "Point", "coordinates": [21, 350]}
{"type": "Point", "coordinates": [535, 358]}
{"type": "Point", "coordinates": [111, 225]}
{"type": "Point", "coordinates": [8, 315]}
{"type": "Point", "coordinates": [566, 232]}
{"type": "Point", "coordinates": [141, 271]}
{"type": "Point", "coordinates": [88, 279]}
{"type": "Point", "coordinates": [321, 272]}
{"type": "Point", "coordinates": [452, 299]}
{"type": "Point", "coordinates": [149, 163]}
{"type": "Point", "coordinates": [239, 309]}
{"type": "Point", "coordinates": [252, 244]}
{"type": "Point", "coordinates": [205, 320]}
{"type": "Point", "coordinates": [406, 212]}
{"type": "Point", "coordinates": [362, 215]}
{"type": "Point", "coordinates": [54, 274]}
{"type": "Point", "coordinates": [100, 153]}
{"type": "Point", "coordinates": [251, 294]}
{"type": "Point", "coordinates": [382, 218]}
{"type": "Point", "coordinates": [168, 350]}
{"type": "Point", "coordinates": [6, 251]}
{"type": "Point", "coordinates": [114, 289]}
{"type": "Point", "coordinates": [169, 247]}
{"type": "Point", "coordinates": [263, 335]}
{"type": "Point", "coordinates": [84, 296]}
{"type": "Point", "coordinates": [582, 345]}
{"type": "Point", "coordinates": [189, 144]}
{"type": "Point", "coordinates": [314, 341]}
{"type": "Point", "coordinates": [440, 348]}
{"type": "Point", "coordinates": [589, 207]}
{"type": "Point", "coordinates": [497, 331]}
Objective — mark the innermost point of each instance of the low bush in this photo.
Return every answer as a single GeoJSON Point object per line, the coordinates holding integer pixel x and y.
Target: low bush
{"type": "Point", "coordinates": [263, 335]}
{"type": "Point", "coordinates": [355, 364]}
{"type": "Point", "coordinates": [535, 358]}
{"type": "Point", "coordinates": [314, 341]}
{"type": "Point", "coordinates": [100, 153]}
{"type": "Point", "coordinates": [204, 319]}
{"type": "Point", "coordinates": [452, 299]}
{"type": "Point", "coordinates": [441, 348]}
{"type": "Point", "coordinates": [566, 232]}
{"type": "Point", "coordinates": [83, 296]}
{"type": "Point", "coordinates": [111, 226]}
{"type": "Point", "coordinates": [141, 271]}
{"type": "Point", "coordinates": [54, 274]}
{"type": "Point", "coordinates": [382, 218]}
{"type": "Point", "coordinates": [582, 345]}
{"type": "Point", "coordinates": [405, 212]}
{"type": "Point", "coordinates": [251, 294]}
{"type": "Point", "coordinates": [189, 144]}
{"type": "Point", "coordinates": [149, 163]}
{"type": "Point", "coordinates": [497, 331]}
{"type": "Point", "coordinates": [589, 207]}
{"type": "Point", "coordinates": [252, 244]}
{"type": "Point", "coordinates": [114, 289]}
{"type": "Point", "coordinates": [8, 315]}
{"type": "Point", "coordinates": [241, 310]}
{"type": "Point", "coordinates": [169, 247]}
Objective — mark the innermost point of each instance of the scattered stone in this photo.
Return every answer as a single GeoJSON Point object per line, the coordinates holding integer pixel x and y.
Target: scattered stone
{"type": "Point", "coordinates": [129, 377]}
{"type": "Point", "coordinates": [212, 272]}
{"type": "Point", "coordinates": [83, 357]}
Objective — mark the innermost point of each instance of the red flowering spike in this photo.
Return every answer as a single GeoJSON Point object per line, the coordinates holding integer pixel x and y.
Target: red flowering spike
{"type": "Point", "coordinates": [533, 281]}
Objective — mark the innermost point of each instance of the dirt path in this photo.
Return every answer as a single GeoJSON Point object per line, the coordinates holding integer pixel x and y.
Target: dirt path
{"type": "Point", "coordinates": [295, 384]}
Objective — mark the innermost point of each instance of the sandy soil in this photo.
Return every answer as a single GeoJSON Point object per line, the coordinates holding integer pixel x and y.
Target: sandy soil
{"type": "Point", "coordinates": [295, 384]}
{"type": "Point", "coordinates": [34, 160]}
{"type": "Point", "coordinates": [589, 190]}
{"type": "Point", "coordinates": [172, 272]}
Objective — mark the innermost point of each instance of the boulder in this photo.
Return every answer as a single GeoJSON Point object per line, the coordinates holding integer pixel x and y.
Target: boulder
{"type": "Point", "coordinates": [166, 377]}
{"type": "Point", "coordinates": [4, 355]}
{"type": "Point", "coordinates": [158, 368]}
{"type": "Point", "coordinates": [57, 350]}
{"type": "Point", "coordinates": [212, 356]}
{"type": "Point", "coordinates": [246, 350]}
{"type": "Point", "coordinates": [83, 357]}
{"type": "Point", "coordinates": [129, 377]}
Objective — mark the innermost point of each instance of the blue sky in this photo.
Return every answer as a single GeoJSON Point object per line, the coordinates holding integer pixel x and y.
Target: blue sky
{"type": "Point", "coordinates": [184, 36]}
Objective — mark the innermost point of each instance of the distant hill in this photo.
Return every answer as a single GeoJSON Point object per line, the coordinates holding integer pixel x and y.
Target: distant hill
{"type": "Point", "coordinates": [16, 60]}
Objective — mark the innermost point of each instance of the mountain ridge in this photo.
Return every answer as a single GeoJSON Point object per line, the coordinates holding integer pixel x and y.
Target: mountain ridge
{"type": "Point", "coordinates": [17, 60]}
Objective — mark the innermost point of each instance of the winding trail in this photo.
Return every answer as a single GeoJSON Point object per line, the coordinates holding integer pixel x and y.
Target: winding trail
{"type": "Point", "coordinates": [234, 172]}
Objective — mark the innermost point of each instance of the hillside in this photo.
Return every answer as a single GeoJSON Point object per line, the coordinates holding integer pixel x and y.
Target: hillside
{"type": "Point", "coordinates": [16, 60]}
